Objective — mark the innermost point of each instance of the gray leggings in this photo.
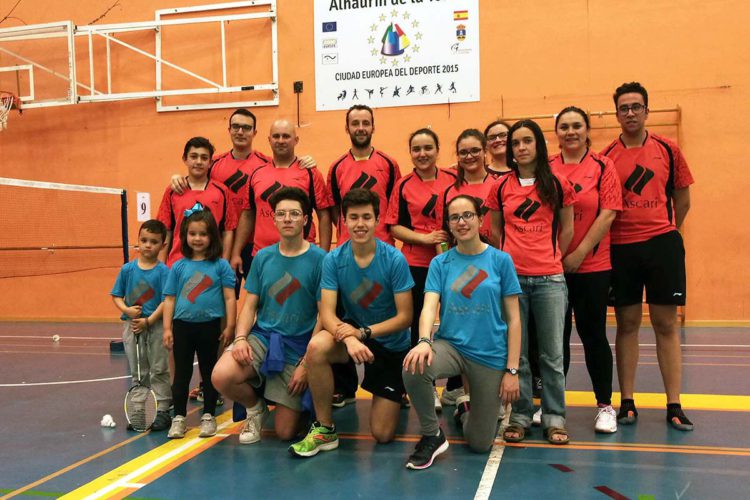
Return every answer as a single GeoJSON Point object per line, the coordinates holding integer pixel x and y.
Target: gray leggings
{"type": "Point", "coordinates": [480, 426]}
{"type": "Point", "coordinates": [154, 362]}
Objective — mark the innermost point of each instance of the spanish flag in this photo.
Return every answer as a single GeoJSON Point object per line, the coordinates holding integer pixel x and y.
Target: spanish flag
{"type": "Point", "coordinates": [460, 15]}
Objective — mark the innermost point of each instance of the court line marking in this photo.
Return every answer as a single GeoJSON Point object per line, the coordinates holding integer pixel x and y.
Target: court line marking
{"type": "Point", "coordinates": [64, 382]}
{"type": "Point", "coordinates": [49, 337]}
{"type": "Point", "coordinates": [484, 489]}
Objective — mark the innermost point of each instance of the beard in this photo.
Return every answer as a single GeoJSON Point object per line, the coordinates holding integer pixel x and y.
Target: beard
{"type": "Point", "coordinates": [357, 141]}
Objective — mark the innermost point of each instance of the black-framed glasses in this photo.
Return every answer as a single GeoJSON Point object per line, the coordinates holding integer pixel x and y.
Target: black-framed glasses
{"type": "Point", "coordinates": [466, 216]}
{"type": "Point", "coordinates": [636, 108]}
{"type": "Point", "coordinates": [236, 127]}
{"type": "Point", "coordinates": [464, 153]}
{"type": "Point", "coordinates": [294, 215]}
{"type": "Point", "coordinates": [494, 137]}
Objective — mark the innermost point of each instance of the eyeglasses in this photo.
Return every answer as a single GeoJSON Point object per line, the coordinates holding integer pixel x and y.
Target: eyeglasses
{"type": "Point", "coordinates": [494, 137]}
{"type": "Point", "coordinates": [466, 216]}
{"type": "Point", "coordinates": [466, 152]}
{"type": "Point", "coordinates": [236, 127]}
{"type": "Point", "coordinates": [294, 215]}
{"type": "Point", "coordinates": [636, 108]}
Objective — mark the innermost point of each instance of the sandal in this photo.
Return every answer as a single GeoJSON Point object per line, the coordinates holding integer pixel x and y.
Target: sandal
{"type": "Point", "coordinates": [677, 419]}
{"type": "Point", "coordinates": [516, 429]}
{"type": "Point", "coordinates": [627, 414]}
{"type": "Point", "coordinates": [552, 432]}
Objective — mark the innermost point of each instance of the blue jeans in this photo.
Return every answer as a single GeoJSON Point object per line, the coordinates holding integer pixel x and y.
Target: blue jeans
{"type": "Point", "coordinates": [547, 298]}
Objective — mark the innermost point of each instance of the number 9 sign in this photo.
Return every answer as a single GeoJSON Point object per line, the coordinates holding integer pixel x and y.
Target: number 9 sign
{"type": "Point", "coordinates": [144, 206]}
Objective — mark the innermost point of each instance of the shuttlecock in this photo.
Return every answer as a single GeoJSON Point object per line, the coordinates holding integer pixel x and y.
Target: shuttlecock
{"type": "Point", "coordinates": [107, 421]}
{"type": "Point", "coordinates": [55, 338]}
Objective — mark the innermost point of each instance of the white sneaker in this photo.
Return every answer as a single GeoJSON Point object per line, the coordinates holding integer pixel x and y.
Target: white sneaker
{"type": "Point", "coordinates": [449, 397]}
{"type": "Point", "coordinates": [438, 404]}
{"type": "Point", "coordinates": [536, 420]}
{"type": "Point", "coordinates": [208, 426]}
{"type": "Point", "coordinates": [606, 420]}
{"type": "Point", "coordinates": [250, 432]}
{"type": "Point", "coordinates": [178, 428]}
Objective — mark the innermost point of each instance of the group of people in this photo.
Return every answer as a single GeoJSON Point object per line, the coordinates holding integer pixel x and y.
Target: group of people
{"type": "Point", "coordinates": [507, 246]}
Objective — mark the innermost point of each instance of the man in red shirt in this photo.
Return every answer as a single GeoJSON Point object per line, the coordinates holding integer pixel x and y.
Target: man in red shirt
{"type": "Point", "coordinates": [363, 166]}
{"type": "Point", "coordinates": [647, 249]}
{"type": "Point", "coordinates": [282, 171]}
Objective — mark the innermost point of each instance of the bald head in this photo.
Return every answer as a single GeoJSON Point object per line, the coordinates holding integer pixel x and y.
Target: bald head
{"type": "Point", "coordinates": [283, 139]}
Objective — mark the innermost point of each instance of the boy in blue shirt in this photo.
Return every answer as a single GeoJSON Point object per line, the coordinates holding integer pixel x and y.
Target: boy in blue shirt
{"type": "Point", "coordinates": [373, 282]}
{"type": "Point", "coordinates": [137, 293]}
{"type": "Point", "coordinates": [283, 288]}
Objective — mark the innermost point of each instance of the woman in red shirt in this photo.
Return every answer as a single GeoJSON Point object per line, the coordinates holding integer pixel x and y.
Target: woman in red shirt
{"type": "Point", "coordinates": [497, 141]}
{"type": "Point", "coordinates": [587, 264]}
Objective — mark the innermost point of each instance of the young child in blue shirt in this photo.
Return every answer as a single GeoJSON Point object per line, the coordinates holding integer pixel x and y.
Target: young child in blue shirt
{"type": "Point", "coordinates": [137, 293]}
{"type": "Point", "coordinates": [199, 293]}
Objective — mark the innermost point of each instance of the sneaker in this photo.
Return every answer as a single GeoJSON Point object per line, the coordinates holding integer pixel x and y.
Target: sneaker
{"type": "Point", "coordinates": [178, 428]}
{"type": "Point", "coordinates": [606, 420]}
{"type": "Point", "coordinates": [196, 394]}
{"type": "Point", "coordinates": [438, 404]}
{"type": "Point", "coordinates": [208, 426]}
{"type": "Point", "coordinates": [463, 405]}
{"type": "Point", "coordinates": [449, 397]}
{"type": "Point", "coordinates": [162, 421]}
{"type": "Point", "coordinates": [426, 450]}
{"type": "Point", "coordinates": [339, 400]}
{"type": "Point", "coordinates": [250, 432]}
{"type": "Point", "coordinates": [677, 418]}
{"type": "Point", "coordinates": [319, 438]}
{"type": "Point", "coordinates": [405, 403]}
{"type": "Point", "coordinates": [536, 420]}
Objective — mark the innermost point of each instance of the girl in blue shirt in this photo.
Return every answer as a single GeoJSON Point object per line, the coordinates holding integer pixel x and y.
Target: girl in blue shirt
{"type": "Point", "coordinates": [199, 293]}
{"type": "Point", "coordinates": [479, 336]}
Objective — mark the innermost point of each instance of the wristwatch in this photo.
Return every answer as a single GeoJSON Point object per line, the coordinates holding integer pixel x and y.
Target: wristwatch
{"type": "Point", "coordinates": [365, 332]}
{"type": "Point", "coordinates": [512, 371]}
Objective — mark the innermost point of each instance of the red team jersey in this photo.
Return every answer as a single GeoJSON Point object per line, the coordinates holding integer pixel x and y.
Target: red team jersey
{"type": "Point", "coordinates": [265, 181]}
{"type": "Point", "coordinates": [216, 197]}
{"type": "Point", "coordinates": [377, 173]}
{"type": "Point", "coordinates": [597, 187]}
{"type": "Point", "coordinates": [649, 175]}
{"type": "Point", "coordinates": [414, 206]}
{"type": "Point", "coordinates": [478, 191]}
{"type": "Point", "coordinates": [530, 227]}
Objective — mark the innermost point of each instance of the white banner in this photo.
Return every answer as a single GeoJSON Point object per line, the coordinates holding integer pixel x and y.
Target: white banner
{"type": "Point", "coordinates": [395, 52]}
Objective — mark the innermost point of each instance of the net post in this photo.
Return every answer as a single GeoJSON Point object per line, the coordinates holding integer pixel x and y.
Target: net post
{"type": "Point", "coordinates": [124, 223]}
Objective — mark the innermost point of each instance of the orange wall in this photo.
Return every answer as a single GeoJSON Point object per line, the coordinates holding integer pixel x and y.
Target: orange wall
{"type": "Point", "coordinates": [536, 57]}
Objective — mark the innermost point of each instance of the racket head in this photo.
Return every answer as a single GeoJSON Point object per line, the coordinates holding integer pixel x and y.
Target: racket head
{"type": "Point", "coordinates": [140, 407]}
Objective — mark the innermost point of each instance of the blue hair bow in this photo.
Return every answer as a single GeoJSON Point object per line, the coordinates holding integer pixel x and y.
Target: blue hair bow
{"type": "Point", "coordinates": [196, 208]}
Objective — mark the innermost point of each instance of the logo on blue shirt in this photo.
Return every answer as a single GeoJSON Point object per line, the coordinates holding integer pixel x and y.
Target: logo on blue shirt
{"type": "Point", "coordinates": [366, 293]}
{"type": "Point", "coordinates": [284, 288]}
{"type": "Point", "coordinates": [196, 285]}
{"type": "Point", "coordinates": [468, 281]}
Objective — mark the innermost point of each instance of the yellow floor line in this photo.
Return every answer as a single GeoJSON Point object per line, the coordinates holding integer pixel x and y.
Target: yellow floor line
{"type": "Point", "coordinates": [127, 478]}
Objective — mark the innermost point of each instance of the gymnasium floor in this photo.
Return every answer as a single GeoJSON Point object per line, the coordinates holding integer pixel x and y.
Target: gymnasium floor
{"type": "Point", "coordinates": [54, 395]}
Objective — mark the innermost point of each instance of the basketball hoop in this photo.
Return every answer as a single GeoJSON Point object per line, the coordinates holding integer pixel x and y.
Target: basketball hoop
{"type": "Point", "coordinates": [8, 101]}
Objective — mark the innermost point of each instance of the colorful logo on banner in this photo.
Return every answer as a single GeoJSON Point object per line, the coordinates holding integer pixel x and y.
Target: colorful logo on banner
{"type": "Point", "coordinates": [397, 31]}
{"type": "Point", "coordinates": [394, 41]}
{"type": "Point", "coordinates": [461, 32]}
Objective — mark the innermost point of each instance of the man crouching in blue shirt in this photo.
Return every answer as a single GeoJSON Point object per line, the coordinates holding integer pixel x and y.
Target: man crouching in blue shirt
{"type": "Point", "coordinates": [283, 288]}
{"type": "Point", "coordinates": [373, 281]}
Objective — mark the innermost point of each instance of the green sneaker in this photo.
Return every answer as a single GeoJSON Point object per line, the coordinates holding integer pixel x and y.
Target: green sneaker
{"type": "Point", "coordinates": [318, 439]}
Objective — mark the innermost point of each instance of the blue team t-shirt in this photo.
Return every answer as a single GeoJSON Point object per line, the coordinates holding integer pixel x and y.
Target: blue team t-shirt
{"type": "Point", "coordinates": [198, 288]}
{"type": "Point", "coordinates": [288, 290]}
{"type": "Point", "coordinates": [368, 294]}
{"type": "Point", "coordinates": [141, 287]}
{"type": "Point", "coordinates": [471, 288]}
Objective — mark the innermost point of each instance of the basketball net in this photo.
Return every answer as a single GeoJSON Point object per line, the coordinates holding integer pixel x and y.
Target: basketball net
{"type": "Point", "coordinates": [8, 101]}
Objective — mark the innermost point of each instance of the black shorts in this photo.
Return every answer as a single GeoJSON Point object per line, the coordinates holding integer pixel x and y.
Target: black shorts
{"type": "Point", "coordinates": [383, 375]}
{"type": "Point", "coordinates": [658, 264]}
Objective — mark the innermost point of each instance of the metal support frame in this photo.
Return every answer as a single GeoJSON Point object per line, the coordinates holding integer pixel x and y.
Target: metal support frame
{"type": "Point", "coordinates": [108, 31]}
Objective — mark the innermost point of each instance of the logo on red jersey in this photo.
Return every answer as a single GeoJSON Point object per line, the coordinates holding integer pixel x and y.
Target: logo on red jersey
{"type": "Point", "coordinates": [527, 209]}
{"type": "Point", "coordinates": [484, 208]}
{"type": "Point", "coordinates": [638, 179]}
{"type": "Point", "coordinates": [429, 208]}
{"type": "Point", "coordinates": [468, 281]}
{"type": "Point", "coordinates": [577, 188]}
{"type": "Point", "coordinates": [284, 288]}
{"type": "Point", "coordinates": [235, 181]}
{"type": "Point", "coordinates": [196, 285]}
{"type": "Point", "coordinates": [366, 293]}
{"type": "Point", "coordinates": [268, 192]}
{"type": "Point", "coordinates": [365, 182]}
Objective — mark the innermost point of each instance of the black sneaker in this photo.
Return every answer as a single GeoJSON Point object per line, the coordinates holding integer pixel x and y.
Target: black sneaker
{"type": "Point", "coordinates": [426, 450]}
{"type": "Point", "coordinates": [162, 422]}
{"type": "Point", "coordinates": [340, 400]}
